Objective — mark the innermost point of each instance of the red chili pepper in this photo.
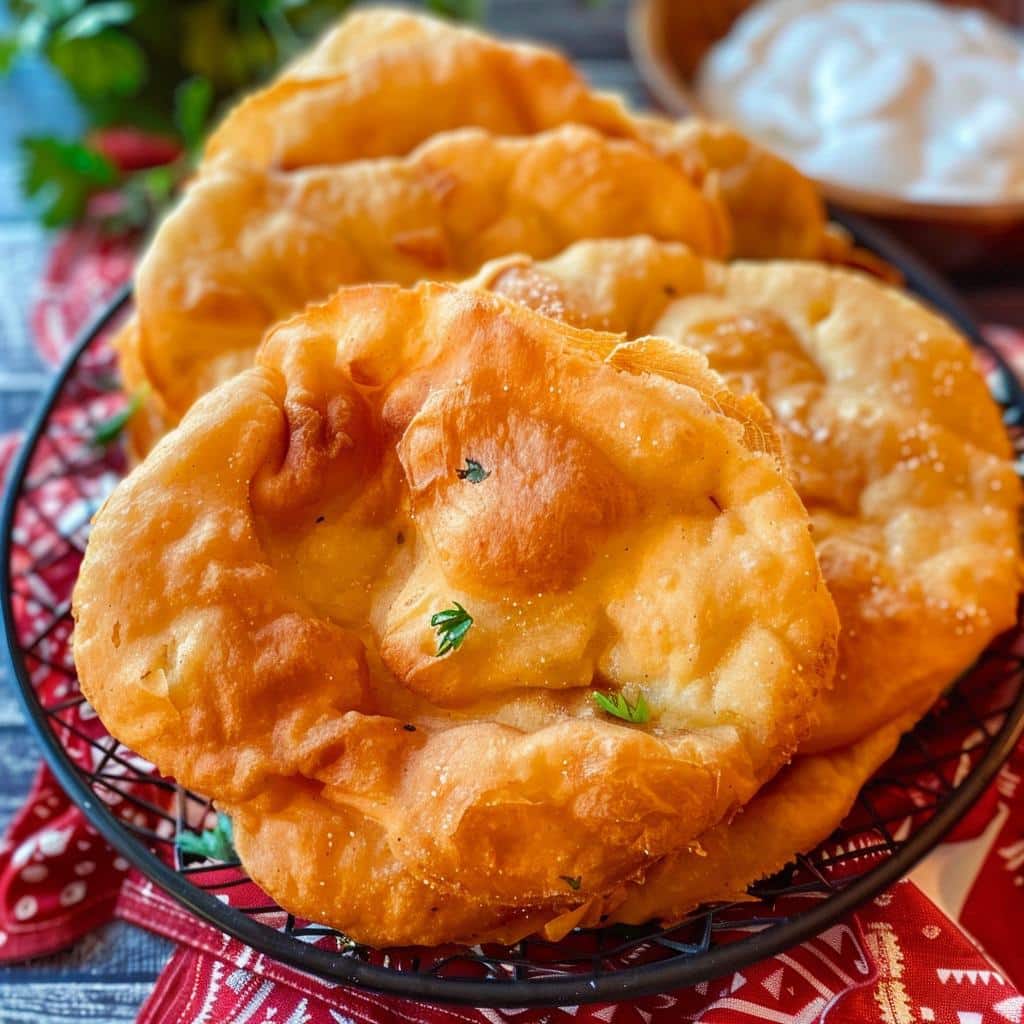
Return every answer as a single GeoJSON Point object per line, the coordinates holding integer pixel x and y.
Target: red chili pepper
{"type": "Point", "coordinates": [134, 150]}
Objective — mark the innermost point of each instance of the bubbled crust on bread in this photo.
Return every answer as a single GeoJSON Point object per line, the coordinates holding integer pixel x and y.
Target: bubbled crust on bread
{"type": "Point", "coordinates": [798, 809]}
{"type": "Point", "coordinates": [894, 443]}
{"type": "Point", "coordinates": [775, 212]}
{"type": "Point", "coordinates": [275, 175]}
{"type": "Point", "coordinates": [349, 97]}
{"type": "Point", "coordinates": [262, 586]}
{"type": "Point", "coordinates": [247, 247]}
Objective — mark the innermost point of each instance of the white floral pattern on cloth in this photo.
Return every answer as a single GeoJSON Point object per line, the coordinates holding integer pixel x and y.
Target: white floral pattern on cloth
{"type": "Point", "coordinates": [897, 960]}
{"type": "Point", "coordinates": [872, 969]}
{"type": "Point", "coordinates": [45, 901]}
{"type": "Point", "coordinates": [86, 268]}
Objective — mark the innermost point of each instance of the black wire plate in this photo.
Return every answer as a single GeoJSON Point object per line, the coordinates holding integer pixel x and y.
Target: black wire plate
{"type": "Point", "coordinates": [59, 480]}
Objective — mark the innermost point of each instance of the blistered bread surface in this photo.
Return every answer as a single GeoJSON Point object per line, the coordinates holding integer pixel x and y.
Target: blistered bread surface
{"type": "Point", "coordinates": [247, 247]}
{"type": "Point", "coordinates": [254, 611]}
{"type": "Point", "coordinates": [894, 443]}
{"type": "Point", "coordinates": [351, 95]}
{"type": "Point", "coordinates": [403, 148]}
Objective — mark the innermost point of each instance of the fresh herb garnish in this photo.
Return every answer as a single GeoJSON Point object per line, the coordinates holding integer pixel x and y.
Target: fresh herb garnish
{"type": "Point", "coordinates": [573, 883]}
{"type": "Point", "coordinates": [62, 176]}
{"type": "Point", "coordinates": [109, 430]}
{"type": "Point", "coordinates": [193, 102]}
{"type": "Point", "coordinates": [8, 51]}
{"type": "Point", "coordinates": [215, 843]}
{"type": "Point", "coordinates": [474, 472]}
{"type": "Point", "coordinates": [617, 705]}
{"type": "Point", "coordinates": [153, 71]}
{"type": "Point", "coordinates": [452, 625]}
{"type": "Point", "coordinates": [467, 10]}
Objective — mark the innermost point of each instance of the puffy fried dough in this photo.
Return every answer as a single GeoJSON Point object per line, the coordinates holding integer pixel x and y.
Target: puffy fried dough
{"type": "Point", "coordinates": [895, 446]}
{"type": "Point", "coordinates": [247, 247]}
{"type": "Point", "coordinates": [275, 175]}
{"type": "Point", "coordinates": [802, 806]}
{"type": "Point", "coordinates": [300, 848]}
{"type": "Point", "coordinates": [774, 211]}
{"type": "Point", "coordinates": [383, 81]}
{"type": "Point", "coordinates": [795, 811]}
{"type": "Point", "coordinates": [254, 610]}
{"type": "Point", "coordinates": [350, 97]}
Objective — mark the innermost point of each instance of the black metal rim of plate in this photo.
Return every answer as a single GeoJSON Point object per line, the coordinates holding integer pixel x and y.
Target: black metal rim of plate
{"type": "Point", "coordinates": [511, 978]}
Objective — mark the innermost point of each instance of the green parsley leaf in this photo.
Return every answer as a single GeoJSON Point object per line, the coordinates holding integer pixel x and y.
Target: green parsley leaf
{"type": "Point", "coordinates": [452, 625]}
{"type": "Point", "coordinates": [573, 883]}
{"type": "Point", "coordinates": [9, 50]}
{"type": "Point", "coordinates": [465, 10]}
{"type": "Point", "coordinates": [193, 100]}
{"type": "Point", "coordinates": [215, 843]}
{"type": "Point", "coordinates": [103, 67]}
{"type": "Point", "coordinates": [474, 472]}
{"type": "Point", "coordinates": [286, 39]}
{"type": "Point", "coordinates": [111, 428]}
{"type": "Point", "coordinates": [617, 705]}
{"type": "Point", "coordinates": [219, 46]}
{"type": "Point", "coordinates": [62, 176]}
{"type": "Point", "coordinates": [92, 20]}
{"type": "Point", "coordinates": [252, 11]}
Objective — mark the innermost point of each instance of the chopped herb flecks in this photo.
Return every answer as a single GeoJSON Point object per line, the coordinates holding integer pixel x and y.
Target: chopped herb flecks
{"type": "Point", "coordinates": [573, 883]}
{"type": "Point", "coordinates": [474, 472]}
{"type": "Point", "coordinates": [215, 843]}
{"type": "Point", "coordinates": [109, 430]}
{"type": "Point", "coordinates": [617, 705]}
{"type": "Point", "coordinates": [452, 625]}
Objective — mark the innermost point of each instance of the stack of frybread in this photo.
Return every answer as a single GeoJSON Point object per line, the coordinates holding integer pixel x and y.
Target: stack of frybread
{"type": "Point", "coordinates": [535, 525]}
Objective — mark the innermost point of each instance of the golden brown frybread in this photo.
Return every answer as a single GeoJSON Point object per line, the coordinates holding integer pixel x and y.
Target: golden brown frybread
{"type": "Point", "coordinates": [325, 178]}
{"type": "Point", "coordinates": [793, 813]}
{"type": "Point", "coordinates": [248, 247]}
{"type": "Point", "coordinates": [264, 582]}
{"type": "Point", "coordinates": [898, 452]}
{"type": "Point", "coordinates": [895, 445]}
{"type": "Point", "coordinates": [350, 98]}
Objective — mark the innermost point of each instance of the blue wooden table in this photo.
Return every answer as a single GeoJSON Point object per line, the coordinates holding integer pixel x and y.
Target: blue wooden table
{"type": "Point", "coordinates": [107, 975]}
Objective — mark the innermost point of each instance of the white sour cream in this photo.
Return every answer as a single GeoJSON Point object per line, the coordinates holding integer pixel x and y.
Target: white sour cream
{"type": "Point", "coordinates": [900, 97]}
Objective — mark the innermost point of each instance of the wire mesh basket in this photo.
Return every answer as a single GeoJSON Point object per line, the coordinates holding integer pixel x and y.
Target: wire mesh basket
{"type": "Point", "coordinates": [60, 479]}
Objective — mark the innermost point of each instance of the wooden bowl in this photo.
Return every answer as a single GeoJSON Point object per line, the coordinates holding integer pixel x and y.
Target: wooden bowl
{"type": "Point", "coordinates": [668, 39]}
